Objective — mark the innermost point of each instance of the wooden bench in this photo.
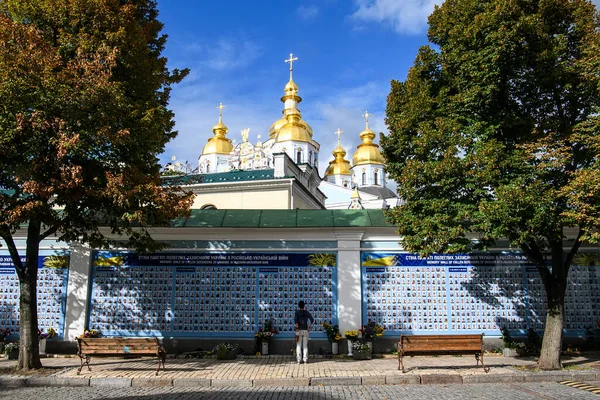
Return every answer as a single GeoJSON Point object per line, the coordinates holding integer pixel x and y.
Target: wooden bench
{"type": "Point", "coordinates": [106, 347]}
{"type": "Point", "coordinates": [413, 345]}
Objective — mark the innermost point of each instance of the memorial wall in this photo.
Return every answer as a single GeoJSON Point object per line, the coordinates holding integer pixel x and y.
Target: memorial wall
{"type": "Point", "coordinates": [209, 294]}
{"type": "Point", "coordinates": [469, 293]}
{"type": "Point", "coordinates": [53, 272]}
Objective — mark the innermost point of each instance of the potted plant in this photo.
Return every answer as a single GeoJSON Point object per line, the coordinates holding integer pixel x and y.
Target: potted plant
{"type": "Point", "coordinates": [43, 336]}
{"type": "Point", "coordinates": [265, 334]}
{"type": "Point", "coordinates": [334, 336]}
{"type": "Point", "coordinates": [361, 350]}
{"type": "Point", "coordinates": [351, 336]}
{"type": "Point", "coordinates": [226, 351]}
{"type": "Point", "coordinates": [511, 348]}
{"type": "Point", "coordinates": [11, 350]}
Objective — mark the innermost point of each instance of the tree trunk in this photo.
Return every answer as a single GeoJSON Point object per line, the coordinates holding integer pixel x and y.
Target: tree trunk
{"type": "Point", "coordinates": [552, 343]}
{"type": "Point", "coordinates": [29, 357]}
{"type": "Point", "coordinates": [29, 354]}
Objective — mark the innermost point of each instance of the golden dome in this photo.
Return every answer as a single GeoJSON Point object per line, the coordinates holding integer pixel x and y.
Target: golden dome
{"type": "Point", "coordinates": [339, 166]}
{"type": "Point", "coordinates": [367, 152]}
{"type": "Point", "coordinates": [276, 126]}
{"type": "Point", "coordinates": [295, 129]}
{"type": "Point", "coordinates": [218, 144]}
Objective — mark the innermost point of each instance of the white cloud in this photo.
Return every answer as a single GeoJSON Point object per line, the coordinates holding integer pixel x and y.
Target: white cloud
{"type": "Point", "coordinates": [405, 16]}
{"type": "Point", "coordinates": [308, 12]}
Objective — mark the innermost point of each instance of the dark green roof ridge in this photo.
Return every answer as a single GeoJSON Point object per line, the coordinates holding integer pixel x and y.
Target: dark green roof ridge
{"type": "Point", "coordinates": [283, 219]}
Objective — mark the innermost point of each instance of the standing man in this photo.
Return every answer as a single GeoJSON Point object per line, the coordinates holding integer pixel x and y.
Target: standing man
{"type": "Point", "coordinates": [303, 320]}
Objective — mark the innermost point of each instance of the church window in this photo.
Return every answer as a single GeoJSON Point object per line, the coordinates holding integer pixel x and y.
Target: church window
{"type": "Point", "coordinates": [310, 156]}
{"type": "Point", "coordinates": [345, 184]}
{"type": "Point", "coordinates": [298, 156]}
{"type": "Point", "coordinates": [208, 207]}
{"type": "Point", "coordinates": [376, 181]}
{"type": "Point", "coordinates": [364, 178]}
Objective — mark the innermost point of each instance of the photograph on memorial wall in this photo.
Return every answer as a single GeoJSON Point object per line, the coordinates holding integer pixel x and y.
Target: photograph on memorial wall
{"type": "Point", "coordinates": [53, 272]}
{"type": "Point", "coordinates": [209, 294]}
{"type": "Point", "coordinates": [469, 293]}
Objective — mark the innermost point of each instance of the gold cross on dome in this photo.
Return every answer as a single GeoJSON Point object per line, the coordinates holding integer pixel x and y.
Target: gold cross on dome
{"type": "Point", "coordinates": [338, 133]}
{"type": "Point", "coordinates": [367, 115]}
{"type": "Point", "coordinates": [291, 60]}
{"type": "Point", "coordinates": [221, 107]}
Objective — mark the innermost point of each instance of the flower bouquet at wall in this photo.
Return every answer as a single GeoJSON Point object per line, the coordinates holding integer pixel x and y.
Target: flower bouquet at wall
{"type": "Point", "coordinates": [351, 336]}
{"type": "Point", "coordinates": [267, 332]}
{"type": "Point", "coordinates": [370, 331]}
{"type": "Point", "coordinates": [334, 336]}
{"type": "Point", "coordinates": [226, 351]}
{"type": "Point", "coordinates": [46, 335]}
{"type": "Point", "coordinates": [90, 333]}
{"type": "Point", "coordinates": [264, 336]}
{"type": "Point", "coordinates": [42, 336]}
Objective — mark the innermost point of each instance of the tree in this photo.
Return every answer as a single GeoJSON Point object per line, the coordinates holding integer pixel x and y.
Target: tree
{"type": "Point", "coordinates": [83, 117]}
{"type": "Point", "coordinates": [495, 134]}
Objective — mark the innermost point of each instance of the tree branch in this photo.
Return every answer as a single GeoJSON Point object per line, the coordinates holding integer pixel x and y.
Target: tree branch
{"type": "Point", "coordinates": [49, 232]}
{"type": "Point", "coordinates": [574, 250]}
{"type": "Point", "coordinates": [12, 249]}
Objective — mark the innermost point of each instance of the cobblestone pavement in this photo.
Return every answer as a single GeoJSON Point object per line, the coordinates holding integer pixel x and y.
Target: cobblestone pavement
{"type": "Point", "coordinates": [277, 367]}
{"type": "Point", "coordinates": [522, 391]}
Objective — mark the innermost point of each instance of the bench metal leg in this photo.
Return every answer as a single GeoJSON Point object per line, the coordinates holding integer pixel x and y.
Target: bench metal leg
{"type": "Point", "coordinates": [86, 362]}
{"type": "Point", "coordinates": [161, 359]}
{"type": "Point", "coordinates": [477, 357]}
{"type": "Point", "coordinates": [400, 363]}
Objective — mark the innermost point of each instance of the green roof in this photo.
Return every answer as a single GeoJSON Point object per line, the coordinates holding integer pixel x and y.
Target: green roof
{"type": "Point", "coordinates": [283, 219]}
{"type": "Point", "coordinates": [232, 176]}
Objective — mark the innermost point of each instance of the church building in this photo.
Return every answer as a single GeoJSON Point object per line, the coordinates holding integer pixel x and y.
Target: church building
{"type": "Point", "coordinates": [285, 168]}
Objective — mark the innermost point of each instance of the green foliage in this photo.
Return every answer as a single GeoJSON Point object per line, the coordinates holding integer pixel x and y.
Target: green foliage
{"type": "Point", "coordinates": [83, 118]}
{"type": "Point", "coordinates": [495, 133]}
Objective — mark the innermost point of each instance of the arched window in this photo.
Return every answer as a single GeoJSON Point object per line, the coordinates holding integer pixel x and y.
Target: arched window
{"type": "Point", "coordinates": [208, 207]}
{"type": "Point", "coordinates": [375, 180]}
{"type": "Point", "coordinates": [364, 178]}
{"type": "Point", "coordinates": [298, 156]}
{"type": "Point", "coordinates": [310, 154]}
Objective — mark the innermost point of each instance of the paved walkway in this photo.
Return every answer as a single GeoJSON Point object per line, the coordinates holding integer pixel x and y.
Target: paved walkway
{"type": "Point", "coordinates": [284, 371]}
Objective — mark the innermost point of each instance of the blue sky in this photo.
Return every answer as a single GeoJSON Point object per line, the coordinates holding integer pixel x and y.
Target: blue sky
{"type": "Point", "coordinates": [348, 51]}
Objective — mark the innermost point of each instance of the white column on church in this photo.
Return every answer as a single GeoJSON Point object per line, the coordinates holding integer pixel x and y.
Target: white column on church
{"type": "Point", "coordinates": [77, 294]}
{"type": "Point", "coordinates": [349, 289]}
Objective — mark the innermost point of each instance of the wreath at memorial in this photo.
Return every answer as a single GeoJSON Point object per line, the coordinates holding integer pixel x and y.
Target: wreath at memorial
{"type": "Point", "coordinates": [333, 332]}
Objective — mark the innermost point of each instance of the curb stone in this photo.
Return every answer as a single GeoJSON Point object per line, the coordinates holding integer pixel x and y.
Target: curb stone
{"type": "Point", "coordinates": [585, 376]}
{"type": "Point", "coordinates": [151, 382]}
{"type": "Point", "coordinates": [494, 378]}
{"type": "Point", "coordinates": [52, 381]}
{"type": "Point", "coordinates": [281, 382]}
{"type": "Point", "coordinates": [548, 376]}
{"type": "Point", "coordinates": [374, 380]}
{"type": "Point", "coordinates": [336, 381]}
{"type": "Point", "coordinates": [230, 382]}
{"type": "Point", "coordinates": [402, 380]}
{"type": "Point", "coordinates": [8, 381]}
{"type": "Point", "coordinates": [118, 382]}
{"type": "Point", "coordinates": [429, 379]}
{"type": "Point", "coordinates": [188, 382]}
